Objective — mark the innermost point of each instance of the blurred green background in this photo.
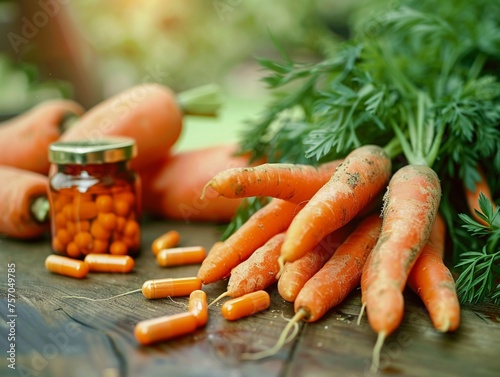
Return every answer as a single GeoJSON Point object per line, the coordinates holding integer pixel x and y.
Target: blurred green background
{"type": "Point", "coordinates": [88, 50]}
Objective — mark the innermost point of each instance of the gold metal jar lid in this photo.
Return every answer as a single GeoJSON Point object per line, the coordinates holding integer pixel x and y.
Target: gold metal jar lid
{"type": "Point", "coordinates": [84, 152]}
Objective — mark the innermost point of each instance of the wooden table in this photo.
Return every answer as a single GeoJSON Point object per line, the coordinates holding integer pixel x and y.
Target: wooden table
{"type": "Point", "coordinates": [56, 336]}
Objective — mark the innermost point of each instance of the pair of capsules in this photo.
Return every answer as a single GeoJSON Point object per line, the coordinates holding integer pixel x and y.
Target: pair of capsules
{"type": "Point", "coordinates": [120, 263]}
{"type": "Point", "coordinates": [171, 326]}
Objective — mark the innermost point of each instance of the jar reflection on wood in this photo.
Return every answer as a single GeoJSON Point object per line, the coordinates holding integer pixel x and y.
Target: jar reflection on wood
{"type": "Point", "coordinates": [94, 198]}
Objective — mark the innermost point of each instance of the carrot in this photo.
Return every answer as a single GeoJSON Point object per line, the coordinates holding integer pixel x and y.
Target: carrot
{"type": "Point", "coordinates": [23, 203]}
{"type": "Point", "coordinates": [358, 180]}
{"type": "Point", "coordinates": [292, 182]}
{"type": "Point", "coordinates": [334, 281]}
{"type": "Point", "coordinates": [434, 283]}
{"type": "Point", "coordinates": [472, 196]}
{"type": "Point", "coordinates": [25, 139]}
{"type": "Point", "coordinates": [410, 210]}
{"type": "Point", "coordinates": [172, 188]}
{"type": "Point", "coordinates": [148, 113]}
{"type": "Point", "coordinates": [257, 272]}
{"type": "Point", "coordinates": [270, 220]}
{"type": "Point", "coordinates": [297, 273]}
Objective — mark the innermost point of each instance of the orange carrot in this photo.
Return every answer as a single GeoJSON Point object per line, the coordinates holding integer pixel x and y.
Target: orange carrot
{"type": "Point", "coordinates": [358, 180]}
{"type": "Point", "coordinates": [148, 113]}
{"type": "Point", "coordinates": [172, 188]}
{"type": "Point", "coordinates": [410, 210]}
{"type": "Point", "coordinates": [257, 272]}
{"type": "Point", "coordinates": [20, 193]}
{"type": "Point", "coordinates": [333, 282]}
{"type": "Point", "coordinates": [25, 139]}
{"type": "Point", "coordinates": [341, 273]}
{"type": "Point", "coordinates": [297, 273]}
{"type": "Point", "coordinates": [270, 220]}
{"type": "Point", "coordinates": [292, 182]}
{"type": "Point", "coordinates": [472, 196]}
{"type": "Point", "coordinates": [434, 283]}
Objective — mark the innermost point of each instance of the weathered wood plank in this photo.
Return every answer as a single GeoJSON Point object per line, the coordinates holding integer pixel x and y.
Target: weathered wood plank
{"type": "Point", "coordinates": [57, 336]}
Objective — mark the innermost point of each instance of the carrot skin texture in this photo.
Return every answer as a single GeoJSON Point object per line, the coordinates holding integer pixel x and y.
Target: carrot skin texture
{"type": "Point", "coordinates": [259, 271]}
{"type": "Point", "coordinates": [297, 273]}
{"type": "Point", "coordinates": [410, 209]}
{"type": "Point", "coordinates": [165, 195]}
{"type": "Point", "coordinates": [341, 273]}
{"type": "Point", "coordinates": [165, 328]}
{"type": "Point", "coordinates": [25, 139]}
{"type": "Point", "coordinates": [358, 180]}
{"type": "Point", "coordinates": [18, 190]}
{"type": "Point", "coordinates": [148, 113]}
{"type": "Point", "coordinates": [434, 283]}
{"type": "Point", "coordinates": [270, 220]}
{"type": "Point", "coordinates": [291, 182]}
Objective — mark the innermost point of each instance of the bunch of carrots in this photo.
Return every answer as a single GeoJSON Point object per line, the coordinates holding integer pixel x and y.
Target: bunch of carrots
{"type": "Point", "coordinates": [330, 229]}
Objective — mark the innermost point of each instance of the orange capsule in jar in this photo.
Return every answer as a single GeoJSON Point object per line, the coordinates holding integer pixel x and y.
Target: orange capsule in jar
{"type": "Point", "coordinates": [246, 305]}
{"type": "Point", "coordinates": [173, 287]}
{"type": "Point", "coordinates": [164, 328]}
{"type": "Point", "coordinates": [91, 173]}
{"type": "Point", "coordinates": [109, 263]}
{"type": "Point", "coordinates": [181, 255]}
{"type": "Point", "coordinates": [66, 266]}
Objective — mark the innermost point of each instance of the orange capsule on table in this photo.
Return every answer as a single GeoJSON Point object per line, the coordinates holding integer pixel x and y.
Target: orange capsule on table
{"type": "Point", "coordinates": [165, 328]}
{"type": "Point", "coordinates": [198, 306]}
{"type": "Point", "coordinates": [109, 263]}
{"type": "Point", "coordinates": [66, 266]}
{"type": "Point", "coordinates": [166, 241]}
{"type": "Point", "coordinates": [173, 287]}
{"type": "Point", "coordinates": [245, 305]}
{"type": "Point", "coordinates": [181, 255]}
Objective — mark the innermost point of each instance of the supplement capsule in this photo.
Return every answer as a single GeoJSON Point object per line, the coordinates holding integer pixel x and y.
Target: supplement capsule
{"type": "Point", "coordinates": [245, 305]}
{"type": "Point", "coordinates": [164, 328]}
{"type": "Point", "coordinates": [109, 263]}
{"type": "Point", "coordinates": [198, 306]}
{"type": "Point", "coordinates": [181, 256]}
{"type": "Point", "coordinates": [165, 241]}
{"type": "Point", "coordinates": [174, 287]}
{"type": "Point", "coordinates": [66, 266]}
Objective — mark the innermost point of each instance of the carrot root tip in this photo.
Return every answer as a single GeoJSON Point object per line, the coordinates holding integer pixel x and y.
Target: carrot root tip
{"type": "Point", "coordinates": [361, 313]}
{"type": "Point", "coordinates": [376, 352]}
{"type": "Point", "coordinates": [281, 264]}
{"type": "Point", "coordinates": [103, 299]}
{"type": "Point", "coordinates": [221, 296]}
{"type": "Point", "coordinates": [284, 338]}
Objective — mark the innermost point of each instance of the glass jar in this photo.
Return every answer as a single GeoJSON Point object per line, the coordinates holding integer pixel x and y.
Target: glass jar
{"type": "Point", "coordinates": [94, 198]}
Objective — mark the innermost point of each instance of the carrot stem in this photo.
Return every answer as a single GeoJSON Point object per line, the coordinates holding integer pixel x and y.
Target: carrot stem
{"type": "Point", "coordinates": [376, 352]}
{"type": "Point", "coordinates": [40, 208]}
{"type": "Point", "coordinates": [201, 101]}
